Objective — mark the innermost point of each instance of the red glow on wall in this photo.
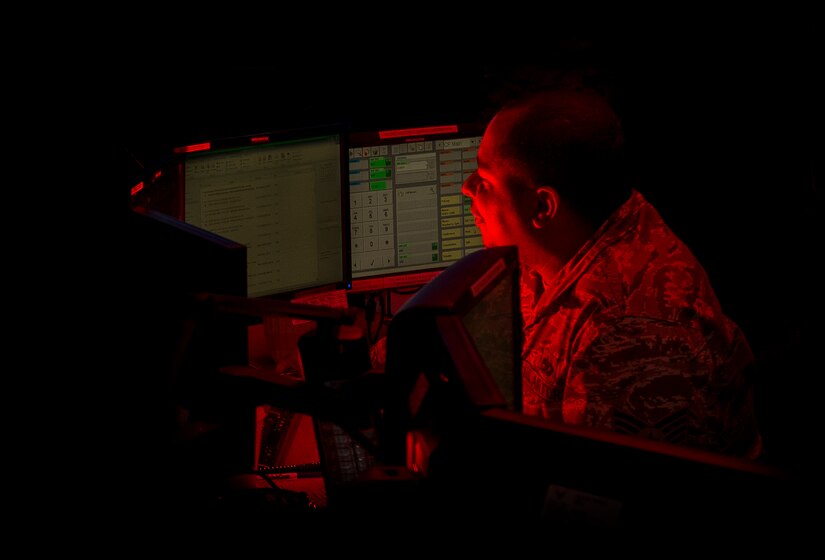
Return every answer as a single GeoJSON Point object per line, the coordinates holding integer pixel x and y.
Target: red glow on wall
{"type": "Point", "coordinates": [157, 176]}
{"type": "Point", "coordinates": [424, 131]}
{"type": "Point", "coordinates": [137, 188]}
{"type": "Point", "coordinates": [202, 147]}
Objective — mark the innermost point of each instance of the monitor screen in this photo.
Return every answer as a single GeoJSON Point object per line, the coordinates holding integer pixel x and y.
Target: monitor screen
{"type": "Point", "coordinates": [408, 218]}
{"type": "Point", "coordinates": [282, 195]}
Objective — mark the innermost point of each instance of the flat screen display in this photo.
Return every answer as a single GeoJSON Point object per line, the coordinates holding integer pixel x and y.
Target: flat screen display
{"type": "Point", "coordinates": [282, 195]}
{"type": "Point", "coordinates": [408, 218]}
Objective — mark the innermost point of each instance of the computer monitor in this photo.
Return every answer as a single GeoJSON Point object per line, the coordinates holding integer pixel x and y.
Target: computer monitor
{"type": "Point", "coordinates": [409, 220]}
{"type": "Point", "coordinates": [176, 346]}
{"type": "Point", "coordinates": [456, 343]}
{"type": "Point", "coordinates": [170, 261]}
{"type": "Point", "coordinates": [280, 194]}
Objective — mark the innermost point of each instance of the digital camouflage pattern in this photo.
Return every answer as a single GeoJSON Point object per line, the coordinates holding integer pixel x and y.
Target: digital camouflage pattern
{"type": "Point", "coordinates": [629, 336]}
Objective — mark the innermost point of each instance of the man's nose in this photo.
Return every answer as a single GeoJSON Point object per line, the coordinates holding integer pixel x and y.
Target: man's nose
{"type": "Point", "coordinates": [468, 188]}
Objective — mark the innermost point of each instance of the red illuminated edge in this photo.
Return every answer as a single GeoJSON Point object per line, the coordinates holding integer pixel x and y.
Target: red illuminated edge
{"type": "Point", "coordinates": [404, 280]}
{"type": "Point", "coordinates": [425, 130]}
{"type": "Point", "coordinates": [204, 146]}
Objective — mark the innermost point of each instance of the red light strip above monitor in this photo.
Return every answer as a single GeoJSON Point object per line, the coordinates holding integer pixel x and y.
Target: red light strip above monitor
{"type": "Point", "coordinates": [194, 148]}
{"type": "Point", "coordinates": [427, 130]}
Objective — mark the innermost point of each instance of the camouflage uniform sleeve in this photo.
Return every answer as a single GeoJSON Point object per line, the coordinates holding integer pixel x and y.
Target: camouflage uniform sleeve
{"type": "Point", "coordinates": [664, 381]}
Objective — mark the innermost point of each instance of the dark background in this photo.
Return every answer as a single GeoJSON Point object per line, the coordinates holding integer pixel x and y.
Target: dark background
{"type": "Point", "coordinates": [724, 127]}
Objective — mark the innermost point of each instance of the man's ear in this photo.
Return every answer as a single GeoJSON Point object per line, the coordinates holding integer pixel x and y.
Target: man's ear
{"type": "Point", "coordinates": [547, 204]}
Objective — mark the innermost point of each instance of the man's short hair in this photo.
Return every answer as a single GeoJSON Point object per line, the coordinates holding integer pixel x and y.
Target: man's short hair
{"type": "Point", "coordinates": [572, 141]}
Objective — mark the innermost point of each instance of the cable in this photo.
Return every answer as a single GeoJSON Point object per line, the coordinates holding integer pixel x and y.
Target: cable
{"type": "Point", "coordinates": [373, 303]}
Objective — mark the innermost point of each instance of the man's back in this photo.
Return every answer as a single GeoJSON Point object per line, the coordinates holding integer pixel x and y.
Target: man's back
{"type": "Point", "coordinates": [629, 336]}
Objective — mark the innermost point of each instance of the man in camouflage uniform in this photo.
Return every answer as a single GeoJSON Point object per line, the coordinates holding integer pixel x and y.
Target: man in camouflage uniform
{"type": "Point", "coordinates": [623, 330]}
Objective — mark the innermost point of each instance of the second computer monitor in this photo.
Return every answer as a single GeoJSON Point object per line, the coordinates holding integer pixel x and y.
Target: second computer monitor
{"type": "Point", "coordinates": [281, 194]}
{"type": "Point", "coordinates": [408, 218]}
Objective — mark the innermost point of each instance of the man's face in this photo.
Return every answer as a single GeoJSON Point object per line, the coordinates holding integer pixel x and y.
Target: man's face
{"type": "Point", "coordinates": [499, 196]}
